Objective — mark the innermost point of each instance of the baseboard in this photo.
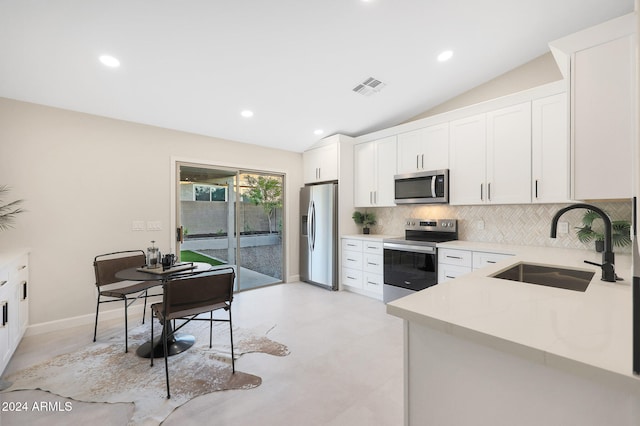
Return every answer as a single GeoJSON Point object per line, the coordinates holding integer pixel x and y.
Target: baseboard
{"type": "Point", "coordinates": [135, 311]}
{"type": "Point", "coordinates": [293, 278]}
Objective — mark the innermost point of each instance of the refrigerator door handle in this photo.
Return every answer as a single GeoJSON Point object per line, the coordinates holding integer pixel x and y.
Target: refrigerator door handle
{"type": "Point", "coordinates": [312, 226]}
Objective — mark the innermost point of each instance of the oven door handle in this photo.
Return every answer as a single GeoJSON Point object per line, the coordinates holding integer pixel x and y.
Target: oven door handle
{"type": "Point", "coordinates": [409, 248]}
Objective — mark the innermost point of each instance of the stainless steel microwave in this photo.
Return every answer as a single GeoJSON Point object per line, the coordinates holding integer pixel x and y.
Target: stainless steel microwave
{"type": "Point", "coordinates": [422, 187]}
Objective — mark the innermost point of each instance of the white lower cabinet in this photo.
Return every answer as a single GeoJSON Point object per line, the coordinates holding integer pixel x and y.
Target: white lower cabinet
{"type": "Point", "coordinates": [453, 263]}
{"type": "Point", "coordinates": [14, 307]}
{"type": "Point", "coordinates": [362, 266]}
{"type": "Point", "coordinates": [482, 259]}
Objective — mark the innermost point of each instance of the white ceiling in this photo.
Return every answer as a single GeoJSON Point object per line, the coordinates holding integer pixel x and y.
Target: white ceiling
{"type": "Point", "coordinates": [194, 65]}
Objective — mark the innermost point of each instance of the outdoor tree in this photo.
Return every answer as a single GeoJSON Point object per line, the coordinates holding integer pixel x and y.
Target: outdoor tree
{"type": "Point", "coordinates": [265, 192]}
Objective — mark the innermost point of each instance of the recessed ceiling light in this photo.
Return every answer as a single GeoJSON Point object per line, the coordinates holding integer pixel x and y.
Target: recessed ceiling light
{"type": "Point", "coordinates": [318, 132]}
{"type": "Point", "coordinates": [246, 113]}
{"type": "Point", "coordinates": [445, 56]}
{"type": "Point", "coordinates": [109, 61]}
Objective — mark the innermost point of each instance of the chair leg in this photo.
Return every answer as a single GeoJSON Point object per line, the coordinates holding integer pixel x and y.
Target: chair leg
{"type": "Point", "coordinates": [151, 339]}
{"type": "Point", "coordinates": [95, 328]}
{"type": "Point", "coordinates": [144, 310]}
{"type": "Point", "coordinates": [126, 327]}
{"type": "Point", "coordinates": [233, 358]}
{"type": "Point", "coordinates": [210, 329]}
{"type": "Point", "coordinates": [166, 362]}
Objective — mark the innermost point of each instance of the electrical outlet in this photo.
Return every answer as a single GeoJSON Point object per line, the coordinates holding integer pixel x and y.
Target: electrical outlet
{"type": "Point", "coordinates": [563, 227]}
{"type": "Point", "coordinates": [480, 225]}
{"type": "Point", "coordinates": [138, 225]}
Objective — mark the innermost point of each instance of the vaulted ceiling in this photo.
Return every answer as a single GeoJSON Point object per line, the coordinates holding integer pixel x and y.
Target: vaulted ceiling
{"type": "Point", "coordinates": [196, 65]}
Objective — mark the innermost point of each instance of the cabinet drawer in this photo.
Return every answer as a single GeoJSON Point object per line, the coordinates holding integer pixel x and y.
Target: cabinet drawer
{"type": "Point", "coordinates": [351, 277]}
{"type": "Point", "coordinates": [455, 257]}
{"type": "Point", "coordinates": [449, 272]}
{"type": "Point", "coordinates": [352, 259]}
{"type": "Point", "coordinates": [373, 263]}
{"type": "Point", "coordinates": [481, 259]}
{"type": "Point", "coordinates": [352, 245]}
{"type": "Point", "coordinates": [373, 283]}
{"type": "Point", "coordinates": [373, 247]}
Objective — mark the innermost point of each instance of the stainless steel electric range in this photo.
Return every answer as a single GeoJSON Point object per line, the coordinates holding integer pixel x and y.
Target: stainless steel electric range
{"type": "Point", "coordinates": [411, 263]}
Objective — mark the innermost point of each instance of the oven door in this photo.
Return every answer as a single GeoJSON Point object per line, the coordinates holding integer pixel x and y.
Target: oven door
{"type": "Point", "coordinates": [411, 267]}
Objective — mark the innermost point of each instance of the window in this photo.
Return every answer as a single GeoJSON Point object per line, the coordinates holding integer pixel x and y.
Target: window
{"type": "Point", "coordinates": [209, 193]}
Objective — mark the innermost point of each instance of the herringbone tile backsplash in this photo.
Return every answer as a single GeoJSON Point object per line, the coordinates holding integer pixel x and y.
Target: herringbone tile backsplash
{"type": "Point", "coordinates": [526, 224]}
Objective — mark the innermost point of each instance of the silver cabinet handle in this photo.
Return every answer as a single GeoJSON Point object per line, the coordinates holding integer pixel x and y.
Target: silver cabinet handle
{"type": "Point", "coordinates": [417, 161]}
{"type": "Point", "coordinates": [453, 257]}
{"type": "Point", "coordinates": [481, 193]}
{"type": "Point", "coordinates": [422, 161]}
{"type": "Point", "coordinates": [536, 188]}
{"type": "Point", "coordinates": [489, 191]}
{"type": "Point", "coordinates": [3, 283]}
{"type": "Point", "coordinates": [372, 283]}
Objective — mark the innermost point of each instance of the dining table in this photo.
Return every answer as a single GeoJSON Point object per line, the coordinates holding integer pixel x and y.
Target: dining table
{"type": "Point", "coordinates": [176, 342]}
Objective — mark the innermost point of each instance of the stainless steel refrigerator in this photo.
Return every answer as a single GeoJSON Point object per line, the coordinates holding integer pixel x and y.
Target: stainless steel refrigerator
{"type": "Point", "coordinates": [319, 235]}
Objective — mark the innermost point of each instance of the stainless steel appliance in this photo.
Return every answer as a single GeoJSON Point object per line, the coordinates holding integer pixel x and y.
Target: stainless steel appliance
{"type": "Point", "coordinates": [422, 187]}
{"type": "Point", "coordinates": [411, 263]}
{"type": "Point", "coordinates": [319, 235]}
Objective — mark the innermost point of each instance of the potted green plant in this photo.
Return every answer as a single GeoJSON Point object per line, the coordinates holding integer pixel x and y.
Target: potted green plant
{"type": "Point", "coordinates": [620, 236]}
{"type": "Point", "coordinates": [365, 219]}
{"type": "Point", "coordinates": [8, 211]}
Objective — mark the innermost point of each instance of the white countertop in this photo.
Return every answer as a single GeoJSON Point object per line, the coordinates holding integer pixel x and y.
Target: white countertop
{"type": "Point", "coordinates": [587, 332]}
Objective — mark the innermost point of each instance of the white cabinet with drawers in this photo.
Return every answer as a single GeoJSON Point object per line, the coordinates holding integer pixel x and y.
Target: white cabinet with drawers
{"type": "Point", "coordinates": [455, 262]}
{"type": "Point", "coordinates": [362, 265]}
{"type": "Point", "coordinates": [14, 305]}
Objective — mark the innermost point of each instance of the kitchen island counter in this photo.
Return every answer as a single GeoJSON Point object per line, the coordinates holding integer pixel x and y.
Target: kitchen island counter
{"type": "Point", "coordinates": [544, 338]}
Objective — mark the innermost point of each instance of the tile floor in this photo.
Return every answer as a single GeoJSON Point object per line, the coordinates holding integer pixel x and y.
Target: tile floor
{"type": "Point", "coordinates": [345, 365]}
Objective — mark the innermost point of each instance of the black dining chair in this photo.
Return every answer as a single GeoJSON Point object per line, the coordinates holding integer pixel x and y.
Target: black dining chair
{"type": "Point", "coordinates": [114, 290]}
{"type": "Point", "coordinates": [186, 298]}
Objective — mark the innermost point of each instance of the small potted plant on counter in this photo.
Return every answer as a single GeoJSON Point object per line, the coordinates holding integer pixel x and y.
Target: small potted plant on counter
{"type": "Point", "coordinates": [365, 219]}
{"type": "Point", "coordinates": [620, 237]}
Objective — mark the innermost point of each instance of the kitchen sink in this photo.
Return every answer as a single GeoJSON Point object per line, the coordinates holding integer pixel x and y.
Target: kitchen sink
{"type": "Point", "coordinates": [550, 276]}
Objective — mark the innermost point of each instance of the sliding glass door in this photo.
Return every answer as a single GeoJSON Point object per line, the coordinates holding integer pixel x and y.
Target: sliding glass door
{"type": "Point", "coordinates": [232, 217]}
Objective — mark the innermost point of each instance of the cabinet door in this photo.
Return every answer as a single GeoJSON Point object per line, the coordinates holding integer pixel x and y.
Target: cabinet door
{"type": "Point", "coordinates": [468, 160]}
{"type": "Point", "coordinates": [424, 149]}
{"type": "Point", "coordinates": [509, 155]}
{"type": "Point", "coordinates": [386, 152]}
{"type": "Point", "coordinates": [409, 151]}
{"type": "Point", "coordinates": [603, 119]}
{"type": "Point", "coordinates": [550, 150]}
{"type": "Point", "coordinates": [5, 293]}
{"type": "Point", "coordinates": [436, 147]}
{"type": "Point", "coordinates": [364, 174]}
{"type": "Point", "coordinates": [321, 164]}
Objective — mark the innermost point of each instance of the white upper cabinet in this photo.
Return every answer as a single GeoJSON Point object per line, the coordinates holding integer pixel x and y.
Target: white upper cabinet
{"type": "Point", "coordinates": [468, 146]}
{"type": "Point", "coordinates": [550, 150]}
{"type": "Point", "coordinates": [509, 155]}
{"type": "Point", "coordinates": [321, 164]}
{"type": "Point", "coordinates": [424, 149]}
{"type": "Point", "coordinates": [603, 120]}
{"type": "Point", "coordinates": [490, 157]}
{"type": "Point", "coordinates": [600, 63]}
{"type": "Point", "coordinates": [374, 168]}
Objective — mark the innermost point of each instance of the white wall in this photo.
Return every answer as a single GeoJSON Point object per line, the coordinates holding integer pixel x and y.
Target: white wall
{"type": "Point", "coordinates": [85, 179]}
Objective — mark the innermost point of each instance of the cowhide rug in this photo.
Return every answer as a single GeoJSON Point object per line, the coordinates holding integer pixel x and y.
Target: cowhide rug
{"type": "Point", "coordinates": [102, 372]}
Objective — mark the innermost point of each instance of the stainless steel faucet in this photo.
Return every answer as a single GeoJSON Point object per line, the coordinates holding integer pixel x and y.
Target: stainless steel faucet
{"type": "Point", "coordinates": [608, 258]}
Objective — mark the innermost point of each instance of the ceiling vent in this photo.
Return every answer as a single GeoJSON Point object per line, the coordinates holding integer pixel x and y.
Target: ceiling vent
{"type": "Point", "coordinates": [369, 87]}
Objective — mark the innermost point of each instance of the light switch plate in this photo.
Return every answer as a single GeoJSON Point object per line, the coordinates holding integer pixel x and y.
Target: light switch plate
{"type": "Point", "coordinates": [154, 225]}
{"type": "Point", "coordinates": [138, 225]}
